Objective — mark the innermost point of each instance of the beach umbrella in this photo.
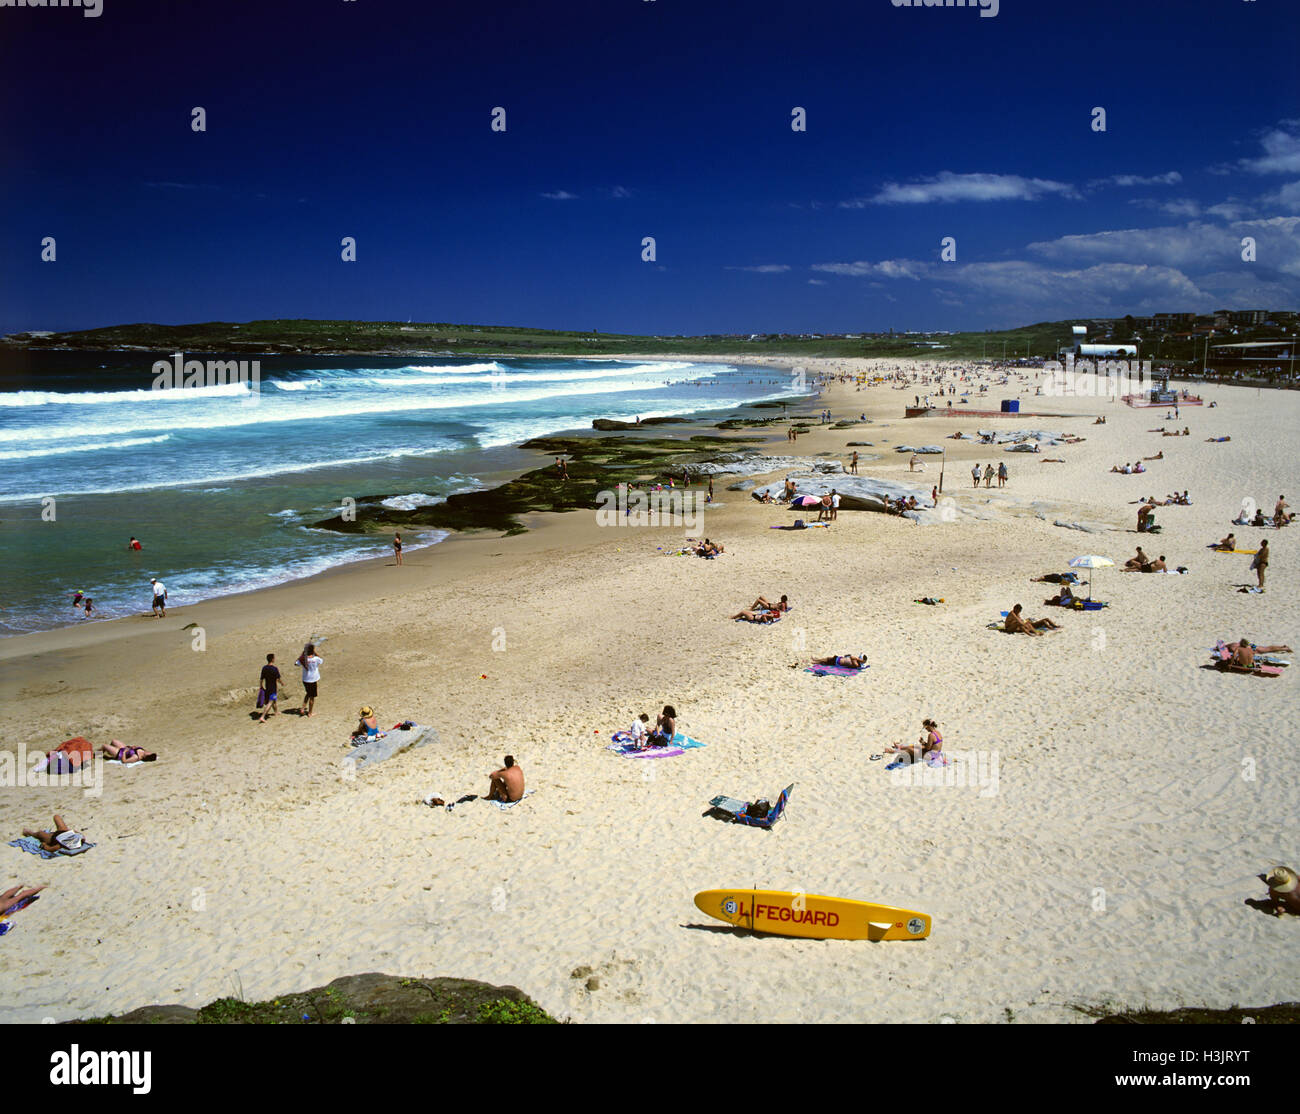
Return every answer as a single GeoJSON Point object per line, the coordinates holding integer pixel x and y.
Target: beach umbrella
{"type": "Point", "coordinates": [805, 501]}
{"type": "Point", "coordinates": [1091, 561]}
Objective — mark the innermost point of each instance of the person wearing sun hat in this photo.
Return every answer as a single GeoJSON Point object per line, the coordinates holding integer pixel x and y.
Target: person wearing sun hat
{"type": "Point", "coordinates": [368, 725]}
{"type": "Point", "coordinates": [1283, 890]}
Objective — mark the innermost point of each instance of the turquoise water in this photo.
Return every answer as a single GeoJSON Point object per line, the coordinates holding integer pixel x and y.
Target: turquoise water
{"type": "Point", "coordinates": [220, 482]}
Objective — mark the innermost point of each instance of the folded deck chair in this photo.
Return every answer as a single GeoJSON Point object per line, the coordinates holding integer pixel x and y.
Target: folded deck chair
{"type": "Point", "coordinates": [738, 811]}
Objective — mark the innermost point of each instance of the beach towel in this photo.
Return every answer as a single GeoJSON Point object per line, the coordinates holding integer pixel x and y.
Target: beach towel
{"type": "Point", "coordinates": [32, 845]}
{"type": "Point", "coordinates": [834, 670]}
{"type": "Point", "coordinates": [4, 917]}
{"type": "Point", "coordinates": [503, 805]}
{"type": "Point", "coordinates": [622, 746]}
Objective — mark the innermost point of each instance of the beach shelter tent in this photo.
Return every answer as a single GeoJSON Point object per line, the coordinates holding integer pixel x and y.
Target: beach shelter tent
{"type": "Point", "coordinates": [1091, 561]}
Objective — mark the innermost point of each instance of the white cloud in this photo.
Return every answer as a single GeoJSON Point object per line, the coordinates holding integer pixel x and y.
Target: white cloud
{"type": "Point", "coordinates": [1128, 180]}
{"type": "Point", "coordinates": [816, 282]}
{"type": "Point", "coordinates": [1281, 151]}
{"type": "Point", "coordinates": [888, 268]}
{"type": "Point", "coordinates": [950, 187]}
{"type": "Point", "coordinates": [560, 195]}
{"type": "Point", "coordinates": [620, 192]}
{"type": "Point", "coordinates": [764, 268]}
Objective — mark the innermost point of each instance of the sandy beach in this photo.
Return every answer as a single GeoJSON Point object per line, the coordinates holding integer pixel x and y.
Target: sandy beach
{"type": "Point", "coordinates": [1128, 797]}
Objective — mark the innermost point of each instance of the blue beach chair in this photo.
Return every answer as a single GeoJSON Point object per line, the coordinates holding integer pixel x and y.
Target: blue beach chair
{"type": "Point", "coordinates": [738, 811]}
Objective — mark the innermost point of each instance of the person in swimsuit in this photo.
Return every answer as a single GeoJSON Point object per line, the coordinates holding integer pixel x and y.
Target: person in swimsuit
{"type": "Point", "coordinates": [1139, 562]}
{"type": "Point", "coordinates": [1230, 542]}
{"type": "Point", "coordinates": [665, 727]}
{"type": "Point", "coordinates": [62, 838]}
{"type": "Point", "coordinates": [127, 755]}
{"type": "Point", "coordinates": [756, 616]}
{"type": "Point", "coordinates": [764, 604]}
{"type": "Point", "coordinates": [269, 685]}
{"type": "Point", "coordinates": [1260, 563]}
{"type": "Point", "coordinates": [507, 783]}
{"type": "Point", "coordinates": [930, 741]}
{"type": "Point", "coordinates": [397, 547]}
{"type": "Point", "coordinates": [1018, 624]}
{"type": "Point", "coordinates": [367, 725]}
{"type": "Point", "coordinates": [1232, 646]}
{"type": "Point", "coordinates": [844, 661]}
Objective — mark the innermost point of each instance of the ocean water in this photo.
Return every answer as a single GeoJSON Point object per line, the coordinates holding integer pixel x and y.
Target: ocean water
{"type": "Point", "coordinates": [220, 483]}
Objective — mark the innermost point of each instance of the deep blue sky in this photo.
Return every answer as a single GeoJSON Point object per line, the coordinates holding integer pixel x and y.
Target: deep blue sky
{"type": "Point", "coordinates": [664, 118]}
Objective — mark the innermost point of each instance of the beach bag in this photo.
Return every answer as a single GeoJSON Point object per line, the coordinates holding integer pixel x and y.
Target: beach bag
{"type": "Point", "coordinates": [799, 524]}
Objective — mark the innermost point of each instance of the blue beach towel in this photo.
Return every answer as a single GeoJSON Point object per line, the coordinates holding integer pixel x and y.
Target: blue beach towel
{"type": "Point", "coordinates": [834, 670]}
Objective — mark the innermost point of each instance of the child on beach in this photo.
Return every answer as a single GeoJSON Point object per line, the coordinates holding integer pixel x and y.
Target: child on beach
{"type": "Point", "coordinates": [640, 730]}
{"type": "Point", "coordinates": [268, 689]}
{"type": "Point", "coordinates": [89, 608]}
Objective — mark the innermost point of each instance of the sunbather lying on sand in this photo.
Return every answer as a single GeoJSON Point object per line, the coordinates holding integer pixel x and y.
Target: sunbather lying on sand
{"type": "Point", "coordinates": [1232, 647]}
{"type": "Point", "coordinates": [707, 548]}
{"type": "Point", "coordinates": [60, 839]}
{"type": "Point", "coordinates": [1018, 624]}
{"type": "Point", "coordinates": [15, 894]}
{"type": "Point", "coordinates": [127, 755]}
{"type": "Point", "coordinates": [756, 616]}
{"type": "Point", "coordinates": [844, 661]}
{"type": "Point", "coordinates": [1062, 599]}
{"type": "Point", "coordinates": [764, 604]}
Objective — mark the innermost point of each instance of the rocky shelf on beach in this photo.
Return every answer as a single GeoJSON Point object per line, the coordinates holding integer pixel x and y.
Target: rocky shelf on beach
{"type": "Point", "coordinates": [370, 999]}
{"type": "Point", "coordinates": [595, 466]}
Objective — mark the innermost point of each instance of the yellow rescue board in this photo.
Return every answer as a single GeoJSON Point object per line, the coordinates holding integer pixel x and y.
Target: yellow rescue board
{"type": "Point", "coordinates": [812, 915]}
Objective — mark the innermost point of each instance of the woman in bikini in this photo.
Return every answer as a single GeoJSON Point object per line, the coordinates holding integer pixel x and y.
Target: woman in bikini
{"type": "Point", "coordinates": [127, 755]}
{"type": "Point", "coordinates": [928, 743]}
{"type": "Point", "coordinates": [764, 604]}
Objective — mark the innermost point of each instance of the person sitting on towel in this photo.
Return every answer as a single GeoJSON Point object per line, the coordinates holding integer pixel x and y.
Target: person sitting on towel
{"type": "Point", "coordinates": [507, 783]}
{"type": "Point", "coordinates": [1230, 542]}
{"type": "Point", "coordinates": [367, 725]}
{"type": "Point", "coordinates": [1158, 565]}
{"type": "Point", "coordinates": [1018, 624]}
{"type": "Point", "coordinates": [930, 742]}
{"type": "Point", "coordinates": [1243, 655]}
{"type": "Point", "coordinates": [1139, 562]}
{"type": "Point", "coordinates": [665, 727]}
{"type": "Point", "coordinates": [844, 661]}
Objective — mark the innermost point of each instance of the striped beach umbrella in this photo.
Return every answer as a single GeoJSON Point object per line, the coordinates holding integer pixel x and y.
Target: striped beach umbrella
{"type": "Point", "coordinates": [1091, 561]}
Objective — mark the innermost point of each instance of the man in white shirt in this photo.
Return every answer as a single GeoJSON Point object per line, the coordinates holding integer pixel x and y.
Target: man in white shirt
{"type": "Point", "coordinates": [835, 504]}
{"type": "Point", "coordinates": [159, 598]}
{"type": "Point", "coordinates": [310, 678]}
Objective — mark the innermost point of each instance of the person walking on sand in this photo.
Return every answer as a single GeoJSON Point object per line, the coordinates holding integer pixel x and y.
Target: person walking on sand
{"type": "Point", "coordinates": [397, 546]}
{"type": "Point", "coordinates": [1260, 563]}
{"type": "Point", "coordinates": [507, 783]}
{"type": "Point", "coordinates": [853, 463]}
{"type": "Point", "coordinates": [975, 476]}
{"type": "Point", "coordinates": [268, 689]}
{"type": "Point", "coordinates": [159, 597]}
{"type": "Point", "coordinates": [311, 664]}
{"type": "Point", "coordinates": [1002, 474]}
{"type": "Point", "coordinates": [988, 475]}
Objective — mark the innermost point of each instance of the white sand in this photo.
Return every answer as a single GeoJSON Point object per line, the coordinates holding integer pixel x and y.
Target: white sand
{"type": "Point", "coordinates": [1111, 864]}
